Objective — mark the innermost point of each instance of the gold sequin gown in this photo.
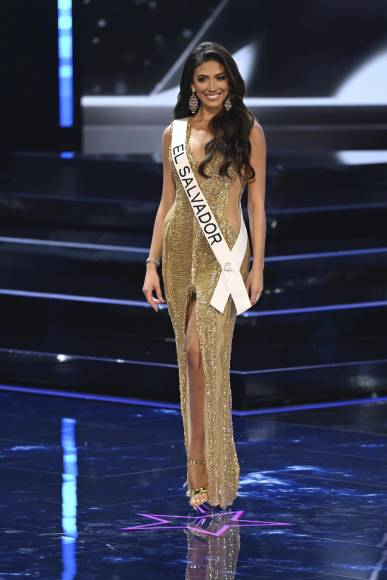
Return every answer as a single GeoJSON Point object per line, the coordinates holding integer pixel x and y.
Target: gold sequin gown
{"type": "Point", "coordinates": [190, 267]}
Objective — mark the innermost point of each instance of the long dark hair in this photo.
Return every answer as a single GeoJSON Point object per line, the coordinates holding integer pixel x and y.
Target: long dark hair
{"type": "Point", "coordinates": [231, 128]}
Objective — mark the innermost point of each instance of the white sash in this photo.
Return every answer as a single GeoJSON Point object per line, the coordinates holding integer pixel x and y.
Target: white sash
{"type": "Point", "coordinates": [230, 280]}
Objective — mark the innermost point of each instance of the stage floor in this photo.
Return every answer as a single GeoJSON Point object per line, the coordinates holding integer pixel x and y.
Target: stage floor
{"type": "Point", "coordinates": [92, 489]}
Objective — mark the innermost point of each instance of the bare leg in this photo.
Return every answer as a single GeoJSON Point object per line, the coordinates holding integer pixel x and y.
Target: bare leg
{"type": "Point", "coordinates": [197, 473]}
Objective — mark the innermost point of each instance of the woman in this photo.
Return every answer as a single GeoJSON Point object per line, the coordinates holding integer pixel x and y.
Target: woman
{"type": "Point", "coordinates": [223, 149]}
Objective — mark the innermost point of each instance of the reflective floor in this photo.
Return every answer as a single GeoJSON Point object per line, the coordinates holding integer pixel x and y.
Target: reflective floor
{"type": "Point", "coordinates": [94, 490]}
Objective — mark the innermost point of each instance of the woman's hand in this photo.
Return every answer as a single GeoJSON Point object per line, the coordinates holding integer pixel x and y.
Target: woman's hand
{"type": "Point", "coordinates": [254, 285]}
{"type": "Point", "coordinates": [152, 283]}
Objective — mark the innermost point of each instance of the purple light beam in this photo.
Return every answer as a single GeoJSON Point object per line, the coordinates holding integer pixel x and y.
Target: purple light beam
{"type": "Point", "coordinates": [161, 522]}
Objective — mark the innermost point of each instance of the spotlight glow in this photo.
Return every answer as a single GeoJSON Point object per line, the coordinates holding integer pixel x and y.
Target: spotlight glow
{"type": "Point", "coordinates": [65, 63]}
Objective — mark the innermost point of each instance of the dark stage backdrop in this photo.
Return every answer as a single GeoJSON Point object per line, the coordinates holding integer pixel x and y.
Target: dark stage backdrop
{"type": "Point", "coordinates": [319, 52]}
{"type": "Point", "coordinates": [300, 48]}
{"type": "Point", "coordinates": [315, 70]}
{"type": "Point", "coordinates": [46, 112]}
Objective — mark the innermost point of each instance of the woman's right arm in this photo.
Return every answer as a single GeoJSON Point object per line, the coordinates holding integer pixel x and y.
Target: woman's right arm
{"type": "Point", "coordinates": [152, 279]}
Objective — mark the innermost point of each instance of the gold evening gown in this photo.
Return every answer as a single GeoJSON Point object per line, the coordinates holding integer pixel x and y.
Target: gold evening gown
{"type": "Point", "coordinates": [189, 267]}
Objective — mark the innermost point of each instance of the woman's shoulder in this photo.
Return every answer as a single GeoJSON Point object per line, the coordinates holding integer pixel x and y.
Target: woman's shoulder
{"type": "Point", "coordinates": [168, 129]}
{"type": "Point", "coordinates": [257, 133]}
{"type": "Point", "coordinates": [256, 126]}
{"type": "Point", "coordinates": [167, 135]}
{"type": "Point", "coordinates": [167, 132]}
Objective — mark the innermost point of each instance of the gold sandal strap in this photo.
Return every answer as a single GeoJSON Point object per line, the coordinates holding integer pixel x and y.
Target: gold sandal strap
{"type": "Point", "coordinates": [198, 490]}
{"type": "Point", "coordinates": [195, 461]}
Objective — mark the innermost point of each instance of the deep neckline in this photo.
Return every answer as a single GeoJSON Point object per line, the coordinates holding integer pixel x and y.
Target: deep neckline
{"type": "Point", "coordinates": [188, 144]}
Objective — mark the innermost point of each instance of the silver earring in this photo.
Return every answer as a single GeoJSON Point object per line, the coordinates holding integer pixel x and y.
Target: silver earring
{"type": "Point", "coordinates": [227, 103]}
{"type": "Point", "coordinates": [193, 103]}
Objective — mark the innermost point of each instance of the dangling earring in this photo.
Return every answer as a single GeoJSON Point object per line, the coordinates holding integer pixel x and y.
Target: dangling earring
{"type": "Point", "coordinates": [227, 103]}
{"type": "Point", "coordinates": [193, 103]}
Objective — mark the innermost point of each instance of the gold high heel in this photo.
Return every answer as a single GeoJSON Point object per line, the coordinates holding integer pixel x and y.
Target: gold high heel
{"type": "Point", "coordinates": [192, 493]}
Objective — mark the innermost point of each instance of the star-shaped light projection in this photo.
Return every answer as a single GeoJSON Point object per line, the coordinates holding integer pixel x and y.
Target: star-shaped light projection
{"type": "Point", "coordinates": [166, 522]}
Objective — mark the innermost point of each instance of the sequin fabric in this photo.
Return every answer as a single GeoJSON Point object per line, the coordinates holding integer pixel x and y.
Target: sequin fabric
{"type": "Point", "coordinates": [190, 267]}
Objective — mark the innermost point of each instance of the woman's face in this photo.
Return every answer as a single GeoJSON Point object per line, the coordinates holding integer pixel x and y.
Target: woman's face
{"type": "Point", "coordinates": [210, 83]}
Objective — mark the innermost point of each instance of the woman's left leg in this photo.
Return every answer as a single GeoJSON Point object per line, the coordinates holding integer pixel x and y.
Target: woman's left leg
{"type": "Point", "coordinates": [197, 472]}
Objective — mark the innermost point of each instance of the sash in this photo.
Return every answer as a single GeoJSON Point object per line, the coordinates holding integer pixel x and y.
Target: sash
{"type": "Point", "coordinates": [230, 280]}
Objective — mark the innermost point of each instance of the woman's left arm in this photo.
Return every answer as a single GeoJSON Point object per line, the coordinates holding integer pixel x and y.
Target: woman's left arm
{"type": "Point", "coordinates": [256, 211]}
